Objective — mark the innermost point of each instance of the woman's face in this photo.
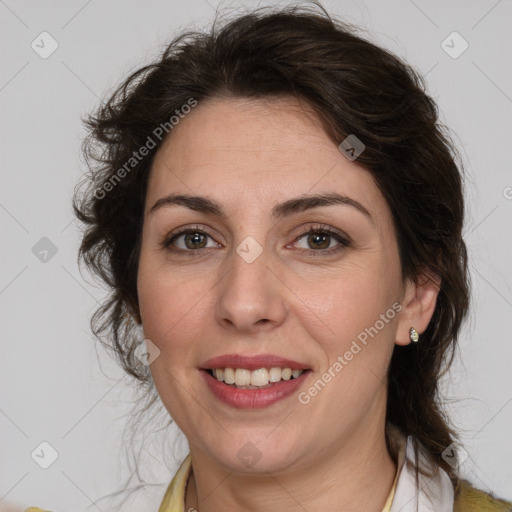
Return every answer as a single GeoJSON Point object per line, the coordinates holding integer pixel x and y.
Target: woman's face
{"type": "Point", "coordinates": [249, 283]}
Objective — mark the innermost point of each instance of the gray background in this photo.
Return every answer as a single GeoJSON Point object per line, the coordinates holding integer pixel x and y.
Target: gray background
{"type": "Point", "coordinates": [53, 388]}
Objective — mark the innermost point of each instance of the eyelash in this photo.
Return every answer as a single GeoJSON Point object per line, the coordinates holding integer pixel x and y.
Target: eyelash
{"type": "Point", "coordinates": [314, 229]}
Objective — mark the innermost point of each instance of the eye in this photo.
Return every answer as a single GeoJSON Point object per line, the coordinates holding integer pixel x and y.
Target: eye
{"type": "Point", "coordinates": [193, 240]}
{"type": "Point", "coordinates": [189, 241]}
{"type": "Point", "coordinates": [320, 238]}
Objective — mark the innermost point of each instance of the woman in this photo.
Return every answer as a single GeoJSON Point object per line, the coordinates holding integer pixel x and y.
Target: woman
{"type": "Point", "coordinates": [276, 206]}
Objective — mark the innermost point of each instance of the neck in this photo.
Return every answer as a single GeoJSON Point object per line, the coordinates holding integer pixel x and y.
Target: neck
{"type": "Point", "coordinates": [356, 475]}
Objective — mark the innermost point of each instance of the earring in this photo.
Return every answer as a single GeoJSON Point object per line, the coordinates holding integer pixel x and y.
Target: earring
{"type": "Point", "coordinates": [413, 335]}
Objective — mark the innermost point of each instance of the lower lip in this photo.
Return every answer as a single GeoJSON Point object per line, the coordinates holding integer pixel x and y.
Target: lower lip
{"type": "Point", "coordinates": [253, 398]}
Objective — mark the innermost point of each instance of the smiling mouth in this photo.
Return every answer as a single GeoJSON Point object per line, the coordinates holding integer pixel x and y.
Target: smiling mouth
{"type": "Point", "coordinates": [261, 378]}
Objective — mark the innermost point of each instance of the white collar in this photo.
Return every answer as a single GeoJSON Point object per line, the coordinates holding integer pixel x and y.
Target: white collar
{"type": "Point", "coordinates": [434, 495]}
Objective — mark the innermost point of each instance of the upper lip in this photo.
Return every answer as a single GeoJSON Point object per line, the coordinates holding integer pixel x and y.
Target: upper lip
{"type": "Point", "coordinates": [252, 362]}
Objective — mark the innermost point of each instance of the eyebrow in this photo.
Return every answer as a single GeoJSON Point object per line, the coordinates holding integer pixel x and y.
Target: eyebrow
{"type": "Point", "coordinates": [289, 207]}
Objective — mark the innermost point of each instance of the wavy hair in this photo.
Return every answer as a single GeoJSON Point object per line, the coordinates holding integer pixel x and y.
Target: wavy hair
{"type": "Point", "coordinates": [355, 87]}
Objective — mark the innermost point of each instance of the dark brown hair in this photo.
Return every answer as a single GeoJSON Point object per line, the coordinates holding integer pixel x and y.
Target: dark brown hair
{"type": "Point", "coordinates": [355, 87]}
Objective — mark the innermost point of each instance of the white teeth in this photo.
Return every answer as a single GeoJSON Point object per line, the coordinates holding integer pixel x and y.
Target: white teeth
{"type": "Point", "coordinates": [242, 377]}
{"type": "Point", "coordinates": [274, 374]}
{"type": "Point", "coordinates": [229, 376]}
{"type": "Point", "coordinates": [286, 373]}
{"type": "Point", "coordinates": [257, 378]}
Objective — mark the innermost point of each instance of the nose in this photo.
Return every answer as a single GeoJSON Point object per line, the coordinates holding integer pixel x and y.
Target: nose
{"type": "Point", "coordinates": [250, 296]}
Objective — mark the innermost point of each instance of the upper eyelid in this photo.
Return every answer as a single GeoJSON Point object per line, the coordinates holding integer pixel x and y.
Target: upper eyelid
{"type": "Point", "coordinates": [313, 227]}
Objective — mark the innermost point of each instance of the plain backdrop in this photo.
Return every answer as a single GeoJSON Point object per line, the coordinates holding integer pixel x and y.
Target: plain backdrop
{"type": "Point", "coordinates": [53, 388]}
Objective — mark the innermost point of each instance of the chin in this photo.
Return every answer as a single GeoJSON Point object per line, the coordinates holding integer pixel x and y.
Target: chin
{"type": "Point", "coordinates": [258, 454]}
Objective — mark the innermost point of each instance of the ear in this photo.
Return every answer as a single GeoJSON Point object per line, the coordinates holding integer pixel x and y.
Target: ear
{"type": "Point", "coordinates": [419, 304]}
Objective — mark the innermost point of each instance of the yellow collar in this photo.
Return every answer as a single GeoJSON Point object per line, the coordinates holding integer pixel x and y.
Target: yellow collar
{"type": "Point", "coordinates": [174, 498]}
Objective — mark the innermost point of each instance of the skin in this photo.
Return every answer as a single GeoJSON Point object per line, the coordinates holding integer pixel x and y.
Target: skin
{"type": "Point", "coordinates": [249, 155]}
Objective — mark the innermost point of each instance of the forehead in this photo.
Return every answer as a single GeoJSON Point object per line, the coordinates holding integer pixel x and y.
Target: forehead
{"type": "Point", "coordinates": [253, 151]}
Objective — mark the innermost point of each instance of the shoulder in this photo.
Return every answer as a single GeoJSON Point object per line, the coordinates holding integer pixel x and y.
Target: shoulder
{"type": "Point", "coordinates": [471, 499]}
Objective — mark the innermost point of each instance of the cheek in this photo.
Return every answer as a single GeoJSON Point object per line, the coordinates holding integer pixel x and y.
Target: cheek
{"type": "Point", "coordinates": [349, 299]}
{"type": "Point", "coordinates": [358, 344]}
{"type": "Point", "coordinates": [169, 311]}
{"type": "Point", "coordinates": [167, 301]}
{"type": "Point", "coordinates": [360, 311]}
